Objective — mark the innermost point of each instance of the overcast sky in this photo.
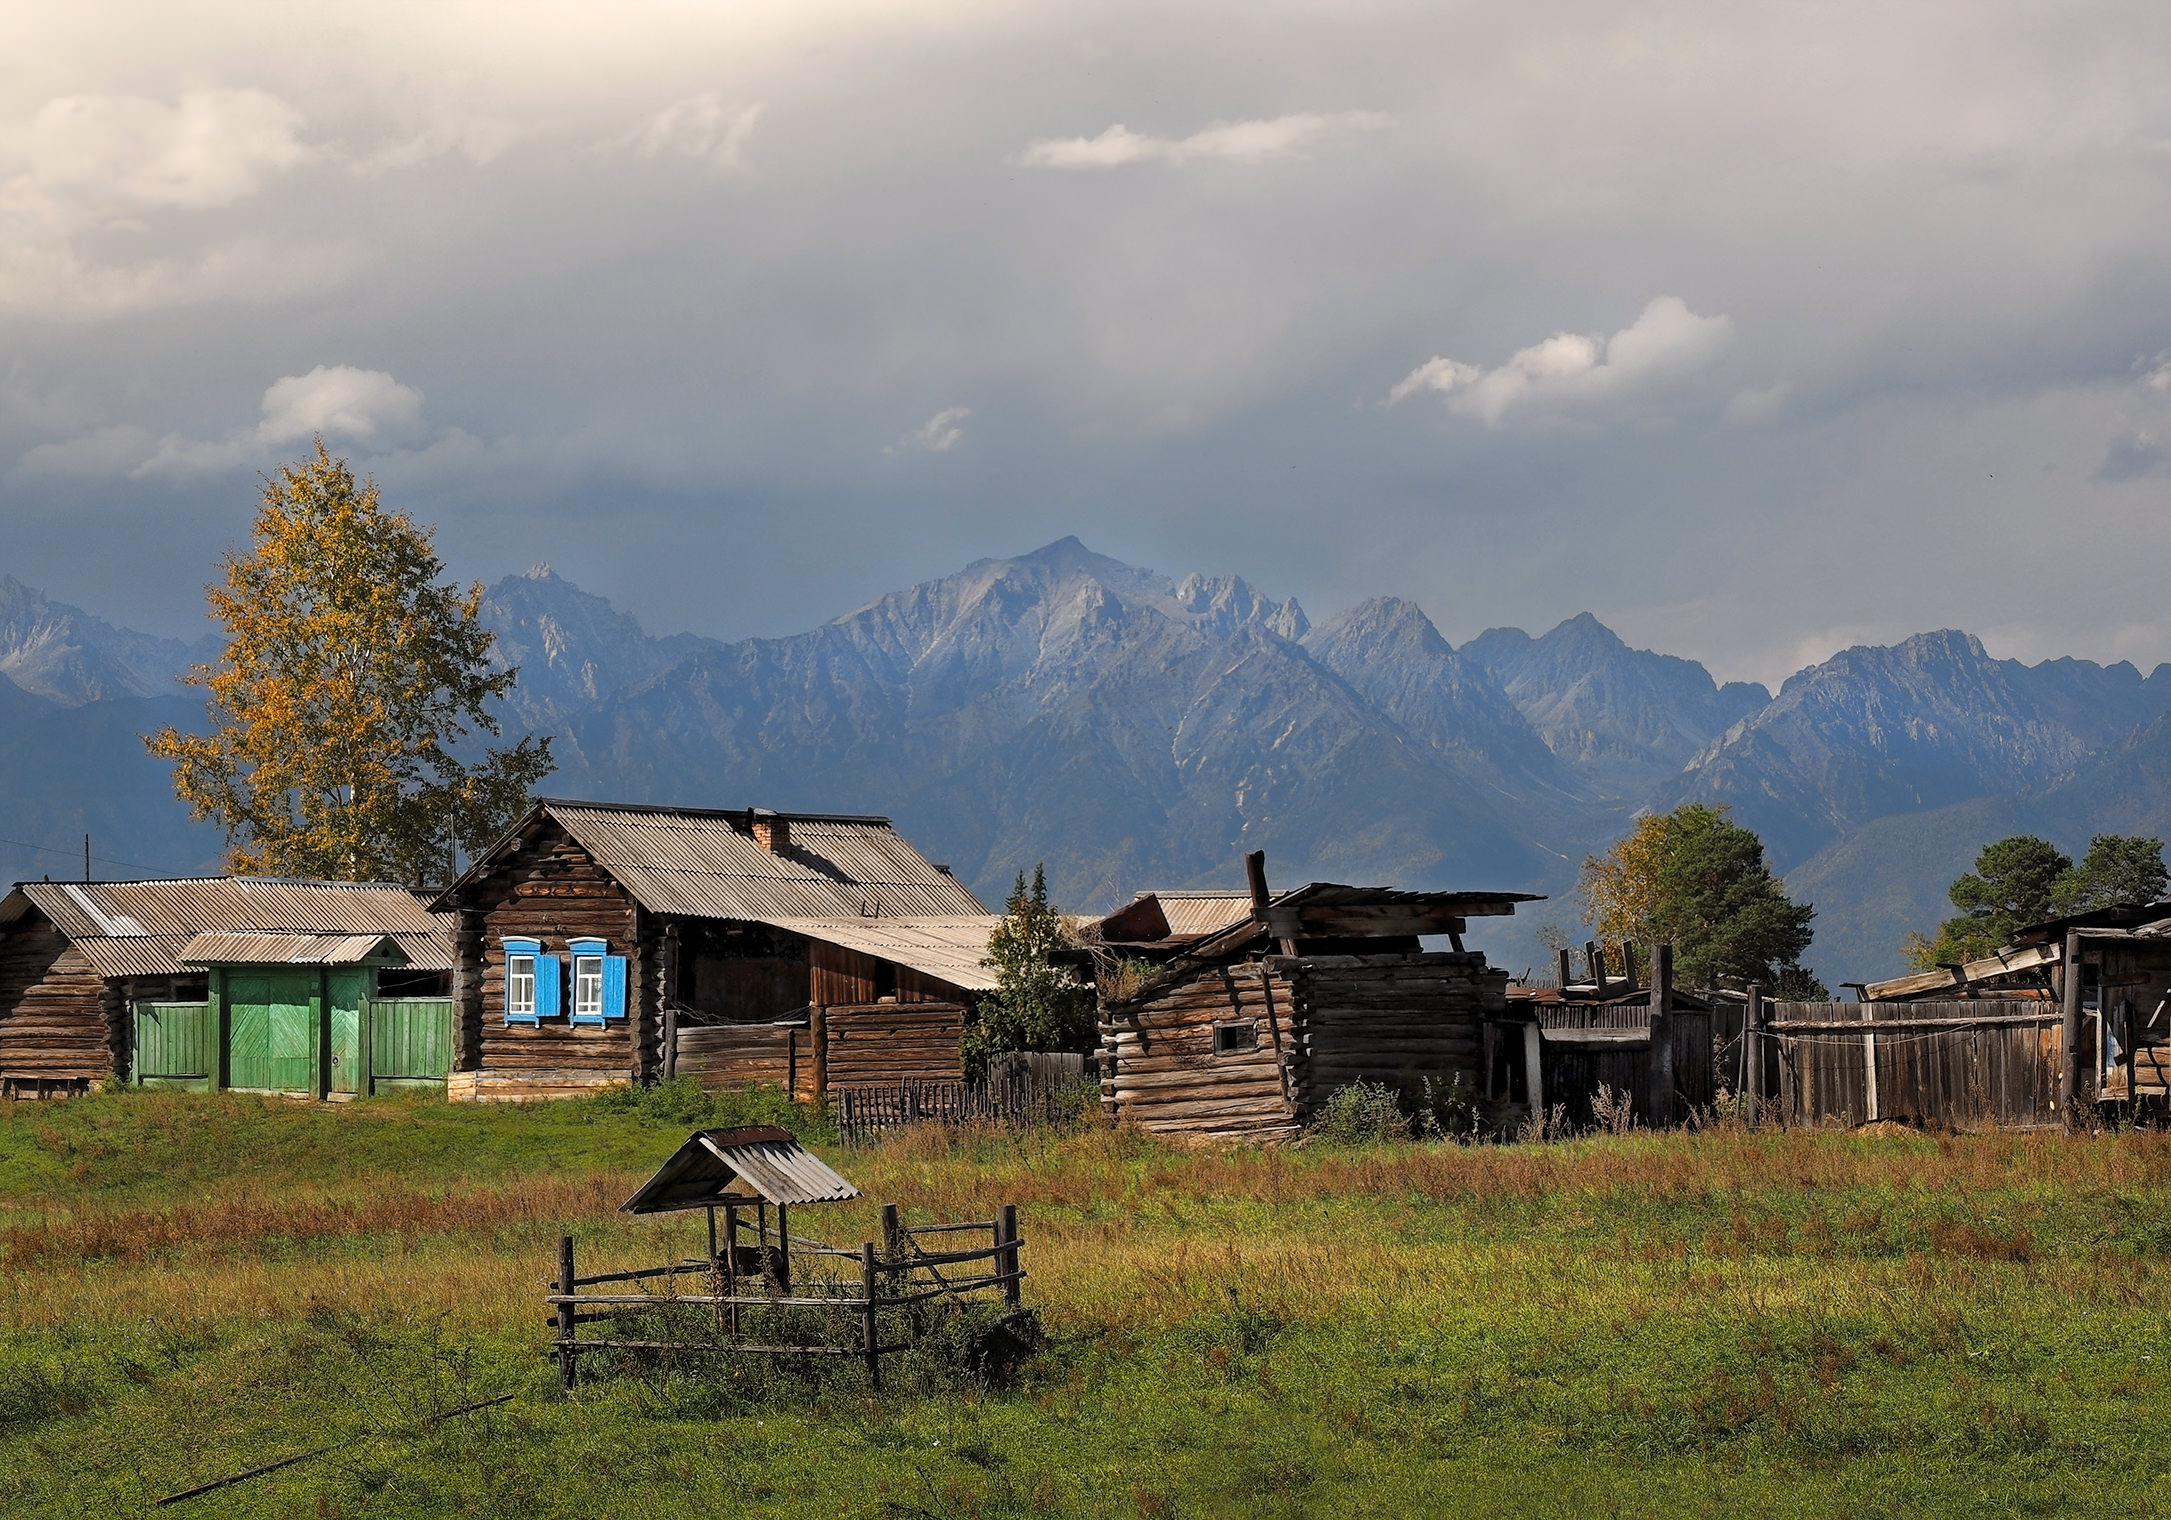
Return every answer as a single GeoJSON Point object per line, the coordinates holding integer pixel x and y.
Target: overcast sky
{"type": "Point", "coordinates": [1757, 330]}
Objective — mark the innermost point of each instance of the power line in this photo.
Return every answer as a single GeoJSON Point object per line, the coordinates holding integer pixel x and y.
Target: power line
{"type": "Point", "coordinates": [46, 849]}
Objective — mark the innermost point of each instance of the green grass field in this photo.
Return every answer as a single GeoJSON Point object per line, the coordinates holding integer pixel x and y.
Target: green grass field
{"type": "Point", "coordinates": [1717, 1323]}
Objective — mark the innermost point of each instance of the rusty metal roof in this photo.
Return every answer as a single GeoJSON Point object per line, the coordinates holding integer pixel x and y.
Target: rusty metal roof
{"type": "Point", "coordinates": [738, 1166]}
{"type": "Point", "coordinates": [1191, 913]}
{"type": "Point", "coordinates": [705, 863]}
{"type": "Point", "coordinates": [257, 949]}
{"type": "Point", "coordinates": [141, 928]}
{"type": "Point", "coordinates": [948, 948]}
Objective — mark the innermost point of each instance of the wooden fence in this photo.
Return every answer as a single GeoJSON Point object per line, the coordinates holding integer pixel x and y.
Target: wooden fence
{"type": "Point", "coordinates": [902, 1275]}
{"type": "Point", "coordinates": [1978, 1062]}
{"type": "Point", "coordinates": [1015, 1094]}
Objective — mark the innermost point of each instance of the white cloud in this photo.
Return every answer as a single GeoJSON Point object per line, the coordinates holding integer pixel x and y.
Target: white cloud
{"type": "Point", "coordinates": [340, 400]}
{"type": "Point", "coordinates": [207, 148]}
{"type": "Point", "coordinates": [335, 400]}
{"type": "Point", "coordinates": [1244, 142]}
{"type": "Point", "coordinates": [1664, 344]}
{"type": "Point", "coordinates": [700, 127]}
{"type": "Point", "coordinates": [938, 434]}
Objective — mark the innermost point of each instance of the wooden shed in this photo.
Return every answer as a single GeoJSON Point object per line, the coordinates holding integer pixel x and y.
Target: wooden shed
{"type": "Point", "coordinates": [126, 978]}
{"type": "Point", "coordinates": [1248, 1030]}
{"type": "Point", "coordinates": [611, 942]}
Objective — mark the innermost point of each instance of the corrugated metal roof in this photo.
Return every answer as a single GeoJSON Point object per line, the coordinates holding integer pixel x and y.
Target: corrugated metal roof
{"type": "Point", "coordinates": [708, 1168]}
{"type": "Point", "coordinates": [950, 948]}
{"type": "Point", "coordinates": [222, 949]}
{"type": "Point", "coordinates": [140, 928]}
{"type": "Point", "coordinates": [699, 863]}
{"type": "Point", "coordinates": [1203, 912]}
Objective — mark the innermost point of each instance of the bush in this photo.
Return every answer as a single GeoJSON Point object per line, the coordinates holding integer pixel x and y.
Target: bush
{"type": "Point", "coordinates": [1363, 1113]}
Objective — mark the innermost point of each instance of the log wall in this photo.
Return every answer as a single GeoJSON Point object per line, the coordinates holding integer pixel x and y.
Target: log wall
{"type": "Point", "coordinates": [60, 1024]}
{"type": "Point", "coordinates": [725, 1056]}
{"type": "Point", "coordinates": [1321, 1022]}
{"type": "Point", "coordinates": [883, 1044]}
{"type": "Point", "coordinates": [554, 893]}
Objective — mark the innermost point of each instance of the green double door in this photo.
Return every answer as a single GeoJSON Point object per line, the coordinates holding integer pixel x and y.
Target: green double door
{"type": "Point", "coordinates": [291, 1030]}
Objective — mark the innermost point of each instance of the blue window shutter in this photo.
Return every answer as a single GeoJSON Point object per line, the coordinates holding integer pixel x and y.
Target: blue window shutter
{"type": "Point", "coordinates": [614, 986]}
{"type": "Point", "coordinates": [547, 997]}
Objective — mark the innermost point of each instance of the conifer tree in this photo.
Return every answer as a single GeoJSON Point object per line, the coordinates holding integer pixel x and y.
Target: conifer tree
{"type": "Point", "coordinates": [1037, 1004]}
{"type": "Point", "coordinates": [349, 677]}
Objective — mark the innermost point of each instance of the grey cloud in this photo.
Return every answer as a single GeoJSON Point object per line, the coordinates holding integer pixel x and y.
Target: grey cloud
{"type": "Point", "coordinates": [1934, 230]}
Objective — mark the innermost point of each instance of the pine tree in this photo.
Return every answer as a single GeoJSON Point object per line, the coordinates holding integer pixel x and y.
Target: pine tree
{"type": "Point", "coordinates": [348, 678]}
{"type": "Point", "coordinates": [1037, 1003]}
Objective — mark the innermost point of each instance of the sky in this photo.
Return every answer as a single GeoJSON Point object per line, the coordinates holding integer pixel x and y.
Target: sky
{"type": "Point", "coordinates": [1756, 329]}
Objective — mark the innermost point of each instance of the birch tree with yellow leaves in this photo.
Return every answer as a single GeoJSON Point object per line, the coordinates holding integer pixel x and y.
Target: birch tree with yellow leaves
{"type": "Point", "coordinates": [349, 680]}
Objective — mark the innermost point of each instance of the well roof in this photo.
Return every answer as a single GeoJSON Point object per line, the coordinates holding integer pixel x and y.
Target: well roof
{"type": "Point", "coordinates": [713, 1164]}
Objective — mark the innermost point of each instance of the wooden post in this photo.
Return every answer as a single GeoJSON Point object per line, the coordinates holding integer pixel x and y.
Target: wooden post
{"type": "Point", "coordinates": [1869, 1062]}
{"type": "Point", "coordinates": [712, 1232]}
{"type": "Point", "coordinates": [869, 1328]}
{"type": "Point", "coordinates": [1659, 1104]}
{"type": "Point", "coordinates": [2069, 1029]}
{"type": "Point", "coordinates": [1564, 976]}
{"type": "Point", "coordinates": [1752, 1050]}
{"type": "Point", "coordinates": [1596, 960]}
{"type": "Point", "coordinates": [1255, 878]}
{"type": "Point", "coordinates": [892, 1235]}
{"type": "Point", "coordinates": [566, 1283]}
{"type": "Point", "coordinates": [784, 1248]}
{"type": "Point", "coordinates": [1008, 1261]}
{"type": "Point", "coordinates": [1628, 962]}
{"type": "Point", "coordinates": [1534, 1069]}
{"type": "Point", "coordinates": [731, 1266]}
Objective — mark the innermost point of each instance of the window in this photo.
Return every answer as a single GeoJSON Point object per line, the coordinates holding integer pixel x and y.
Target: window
{"type": "Point", "coordinates": [1231, 1039]}
{"type": "Point", "coordinates": [531, 982]}
{"type": "Point", "coordinates": [599, 982]}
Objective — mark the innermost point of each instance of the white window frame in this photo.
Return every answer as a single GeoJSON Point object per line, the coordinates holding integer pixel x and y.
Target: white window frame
{"type": "Point", "coordinates": [588, 987]}
{"type": "Point", "coordinates": [519, 980]}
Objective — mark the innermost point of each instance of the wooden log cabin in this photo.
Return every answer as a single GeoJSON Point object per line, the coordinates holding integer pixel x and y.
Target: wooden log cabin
{"type": "Point", "coordinates": [607, 942]}
{"type": "Point", "coordinates": [1249, 1030]}
{"type": "Point", "coordinates": [111, 978]}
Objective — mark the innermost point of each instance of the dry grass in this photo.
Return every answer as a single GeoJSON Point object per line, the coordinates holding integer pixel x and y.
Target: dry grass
{"type": "Point", "coordinates": [1698, 1310]}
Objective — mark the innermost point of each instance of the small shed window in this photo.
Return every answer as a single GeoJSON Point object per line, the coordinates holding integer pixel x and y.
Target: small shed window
{"type": "Point", "coordinates": [525, 970]}
{"type": "Point", "coordinates": [1230, 1039]}
{"type": "Point", "coordinates": [599, 982]}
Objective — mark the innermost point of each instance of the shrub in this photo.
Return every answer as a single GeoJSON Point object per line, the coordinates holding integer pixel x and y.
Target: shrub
{"type": "Point", "coordinates": [1363, 1113]}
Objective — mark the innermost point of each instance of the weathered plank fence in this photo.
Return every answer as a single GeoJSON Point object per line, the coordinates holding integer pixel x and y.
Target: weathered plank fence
{"type": "Point", "coordinates": [1015, 1094]}
{"type": "Point", "coordinates": [1975, 1062]}
{"type": "Point", "coordinates": [901, 1274]}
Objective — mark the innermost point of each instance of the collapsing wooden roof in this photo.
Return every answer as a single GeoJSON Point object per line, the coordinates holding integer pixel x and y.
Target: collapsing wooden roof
{"type": "Point", "coordinates": [750, 1164]}
{"type": "Point", "coordinates": [2023, 965]}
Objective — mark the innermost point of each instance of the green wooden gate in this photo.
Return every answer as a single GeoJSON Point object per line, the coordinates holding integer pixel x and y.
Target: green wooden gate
{"type": "Point", "coordinates": [410, 1044]}
{"type": "Point", "coordinates": [271, 1029]}
{"type": "Point", "coordinates": [346, 993]}
{"type": "Point", "coordinates": [177, 1045]}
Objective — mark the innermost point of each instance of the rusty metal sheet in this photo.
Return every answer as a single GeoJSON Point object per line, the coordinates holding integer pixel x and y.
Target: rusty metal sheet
{"type": "Point", "coordinates": [722, 1165]}
{"type": "Point", "coordinates": [950, 949]}
{"type": "Point", "coordinates": [702, 864]}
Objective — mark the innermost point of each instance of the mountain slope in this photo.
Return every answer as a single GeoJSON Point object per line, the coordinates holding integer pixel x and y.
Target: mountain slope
{"type": "Point", "coordinates": [62, 652]}
{"type": "Point", "coordinates": [1128, 729]}
{"type": "Point", "coordinates": [1918, 726]}
{"type": "Point", "coordinates": [573, 649]}
{"type": "Point", "coordinates": [1624, 719]}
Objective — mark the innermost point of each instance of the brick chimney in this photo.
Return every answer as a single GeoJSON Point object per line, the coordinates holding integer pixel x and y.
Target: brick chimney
{"type": "Point", "coordinates": [772, 831]}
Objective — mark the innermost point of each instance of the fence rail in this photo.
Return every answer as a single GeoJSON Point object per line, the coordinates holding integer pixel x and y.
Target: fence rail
{"type": "Point", "coordinates": [899, 1275]}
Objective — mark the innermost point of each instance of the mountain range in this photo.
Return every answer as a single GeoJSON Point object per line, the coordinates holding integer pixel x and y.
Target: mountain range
{"type": "Point", "coordinates": [1133, 731]}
